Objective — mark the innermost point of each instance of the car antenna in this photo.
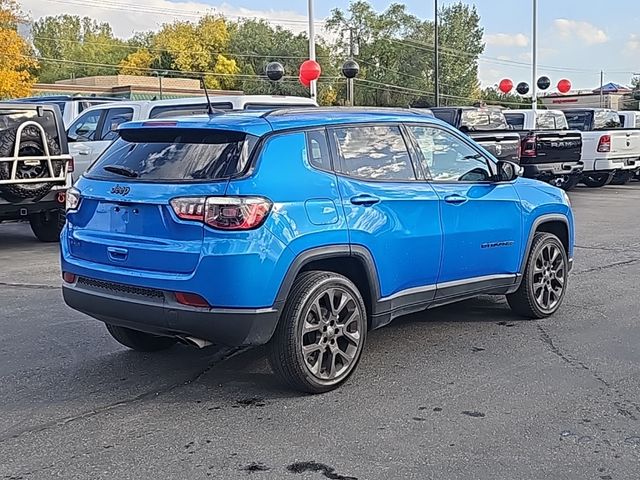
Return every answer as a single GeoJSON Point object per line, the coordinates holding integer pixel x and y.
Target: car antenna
{"type": "Point", "coordinates": [206, 93]}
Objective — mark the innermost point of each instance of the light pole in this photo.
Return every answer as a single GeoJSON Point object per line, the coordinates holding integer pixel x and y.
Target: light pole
{"type": "Point", "coordinates": [160, 75]}
{"type": "Point", "coordinates": [436, 60]}
{"type": "Point", "coordinates": [534, 58]}
{"type": "Point", "coordinates": [313, 88]}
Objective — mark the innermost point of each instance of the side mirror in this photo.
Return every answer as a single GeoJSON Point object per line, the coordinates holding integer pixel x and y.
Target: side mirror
{"type": "Point", "coordinates": [508, 171]}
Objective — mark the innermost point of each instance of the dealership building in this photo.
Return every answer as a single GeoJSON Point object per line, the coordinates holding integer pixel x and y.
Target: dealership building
{"type": "Point", "coordinates": [611, 95]}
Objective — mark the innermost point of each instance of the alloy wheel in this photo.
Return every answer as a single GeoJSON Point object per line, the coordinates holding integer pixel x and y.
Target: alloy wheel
{"type": "Point", "coordinates": [549, 277]}
{"type": "Point", "coordinates": [332, 334]}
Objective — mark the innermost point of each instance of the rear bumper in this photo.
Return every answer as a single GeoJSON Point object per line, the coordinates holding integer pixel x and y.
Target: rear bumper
{"type": "Point", "coordinates": [606, 165]}
{"type": "Point", "coordinates": [158, 312]}
{"type": "Point", "coordinates": [22, 210]}
{"type": "Point", "coordinates": [546, 170]}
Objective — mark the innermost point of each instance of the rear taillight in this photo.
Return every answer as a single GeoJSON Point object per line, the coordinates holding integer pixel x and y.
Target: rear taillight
{"type": "Point", "coordinates": [529, 148]}
{"type": "Point", "coordinates": [604, 145]}
{"type": "Point", "coordinates": [70, 166]}
{"type": "Point", "coordinates": [223, 213]}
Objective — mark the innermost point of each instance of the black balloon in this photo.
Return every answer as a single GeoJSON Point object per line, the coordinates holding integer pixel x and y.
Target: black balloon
{"type": "Point", "coordinates": [544, 83]}
{"type": "Point", "coordinates": [522, 88]}
{"type": "Point", "coordinates": [350, 69]}
{"type": "Point", "coordinates": [274, 71]}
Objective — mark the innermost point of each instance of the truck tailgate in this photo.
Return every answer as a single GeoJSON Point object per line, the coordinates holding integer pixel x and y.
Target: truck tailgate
{"type": "Point", "coordinates": [503, 145]}
{"type": "Point", "coordinates": [558, 146]}
{"type": "Point", "coordinates": [625, 143]}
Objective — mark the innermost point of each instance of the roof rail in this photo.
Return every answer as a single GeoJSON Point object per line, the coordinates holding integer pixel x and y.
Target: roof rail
{"type": "Point", "coordinates": [310, 110]}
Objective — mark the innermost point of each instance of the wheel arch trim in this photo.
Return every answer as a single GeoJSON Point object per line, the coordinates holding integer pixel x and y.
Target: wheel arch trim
{"type": "Point", "coordinates": [541, 220]}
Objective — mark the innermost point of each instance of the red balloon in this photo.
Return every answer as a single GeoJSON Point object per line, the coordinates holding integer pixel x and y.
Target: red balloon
{"type": "Point", "coordinates": [310, 70]}
{"type": "Point", "coordinates": [304, 81]}
{"type": "Point", "coordinates": [564, 86]}
{"type": "Point", "coordinates": [506, 85]}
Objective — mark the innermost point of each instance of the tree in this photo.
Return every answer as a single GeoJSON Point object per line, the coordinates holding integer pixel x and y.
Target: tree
{"type": "Point", "coordinates": [139, 62]}
{"type": "Point", "coordinates": [396, 51]}
{"type": "Point", "coordinates": [16, 63]}
{"type": "Point", "coordinates": [71, 46]}
{"type": "Point", "coordinates": [493, 96]}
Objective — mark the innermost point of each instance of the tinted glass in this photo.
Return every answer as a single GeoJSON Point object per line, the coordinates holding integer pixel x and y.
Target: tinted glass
{"type": "Point", "coordinates": [578, 120]}
{"type": "Point", "coordinates": [166, 111]}
{"type": "Point", "coordinates": [174, 155]}
{"type": "Point", "coordinates": [483, 119]}
{"type": "Point", "coordinates": [545, 121]}
{"type": "Point", "coordinates": [516, 120]}
{"type": "Point", "coordinates": [605, 119]}
{"type": "Point", "coordinates": [448, 158]}
{"type": "Point", "coordinates": [448, 116]}
{"type": "Point", "coordinates": [318, 150]}
{"type": "Point", "coordinates": [374, 152]}
{"type": "Point", "coordinates": [84, 128]}
{"type": "Point", "coordinates": [112, 120]}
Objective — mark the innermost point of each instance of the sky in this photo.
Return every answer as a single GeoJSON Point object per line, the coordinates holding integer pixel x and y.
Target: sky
{"type": "Point", "coordinates": [576, 38]}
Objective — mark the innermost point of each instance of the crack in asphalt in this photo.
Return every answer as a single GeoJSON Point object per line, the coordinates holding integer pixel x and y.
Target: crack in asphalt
{"type": "Point", "coordinates": [215, 360]}
{"type": "Point", "coordinates": [33, 286]}
{"type": "Point", "coordinates": [622, 406]}
{"type": "Point", "coordinates": [607, 266]}
{"type": "Point", "coordinates": [604, 249]}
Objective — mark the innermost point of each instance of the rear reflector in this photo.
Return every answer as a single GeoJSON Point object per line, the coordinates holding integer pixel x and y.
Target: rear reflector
{"type": "Point", "coordinates": [68, 277]}
{"type": "Point", "coordinates": [191, 300]}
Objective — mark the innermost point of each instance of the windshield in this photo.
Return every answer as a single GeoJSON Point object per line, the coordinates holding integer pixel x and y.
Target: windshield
{"type": "Point", "coordinates": [516, 120]}
{"type": "Point", "coordinates": [174, 155]}
{"type": "Point", "coordinates": [578, 120]}
{"type": "Point", "coordinates": [550, 120]}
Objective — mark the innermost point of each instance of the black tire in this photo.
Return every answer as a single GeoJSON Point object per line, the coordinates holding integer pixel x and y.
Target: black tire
{"type": "Point", "coordinates": [46, 226]}
{"type": "Point", "coordinates": [622, 178]}
{"type": "Point", "coordinates": [526, 301]}
{"type": "Point", "coordinates": [140, 341]}
{"type": "Point", "coordinates": [596, 180]}
{"type": "Point", "coordinates": [569, 182]}
{"type": "Point", "coordinates": [308, 301]}
{"type": "Point", "coordinates": [30, 145]}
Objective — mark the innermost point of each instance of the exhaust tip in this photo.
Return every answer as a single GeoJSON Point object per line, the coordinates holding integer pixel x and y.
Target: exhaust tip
{"type": "Point", "coordinates": [196, 342]}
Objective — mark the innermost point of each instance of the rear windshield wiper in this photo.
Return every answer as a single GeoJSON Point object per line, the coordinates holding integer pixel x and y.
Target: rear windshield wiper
{"type": "Point", "coordinates": [123, 171]}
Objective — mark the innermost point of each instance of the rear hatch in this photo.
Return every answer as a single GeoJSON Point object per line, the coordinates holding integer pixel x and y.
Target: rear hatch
{"type": "Point", "coordinates": [557, 146]}
{"type": "Point", "coordinates": [125, 217]}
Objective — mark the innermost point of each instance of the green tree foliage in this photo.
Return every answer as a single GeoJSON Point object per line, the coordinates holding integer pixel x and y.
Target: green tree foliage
{"type": "Point", "coordinates": [396, 52]}
{"type": "Point", "coordinates": [77, 47]}
{"type": "Point", "coordinates": [493, 96]}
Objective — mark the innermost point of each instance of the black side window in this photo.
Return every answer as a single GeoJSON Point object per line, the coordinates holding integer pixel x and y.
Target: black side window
{"type": "Point", "coordinates": [84, 128]}
{"type": "Point", "coordinates": [516, 120]}
{"type": "Point", "coordinates": [113, 119]}
{"type": "Point", "coordinates": [318, 150]}
{"type": "Point", "coordinates": [376, 152]}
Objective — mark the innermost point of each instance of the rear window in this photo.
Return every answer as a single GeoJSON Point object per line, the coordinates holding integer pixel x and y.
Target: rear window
{"type": "Point", "coordinates": [174, 155]}
{"type": "Point", "coordinates": [551, 120]}
{"type": "Point", "coordinates": [481, 120]}
{"type": "Point", "coordinates": [515, 120]}
{"type": "Point", "coordinates": [605, 119]}
{"type": "Point", "coordinates": [578, 120]}
{"type": "Point", "coordinates": [448, 116]}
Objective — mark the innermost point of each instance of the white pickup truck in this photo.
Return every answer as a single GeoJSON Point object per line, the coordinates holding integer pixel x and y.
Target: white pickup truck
{"type": "Point", "coordinates": [94, 130]}
{"type": "Point", "coordinates": [610, 153]}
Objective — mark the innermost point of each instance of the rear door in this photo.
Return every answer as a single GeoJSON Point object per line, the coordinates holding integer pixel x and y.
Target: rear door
{"type": "Point", "coordinates": [481, 219]}
{"type": "Point", "coordinates": [126, 218]}
{"type": "Point", "coordinates": [390, 210]}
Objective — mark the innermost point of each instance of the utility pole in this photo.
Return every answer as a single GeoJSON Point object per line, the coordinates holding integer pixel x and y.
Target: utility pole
{"type": "Point", "coordinates": [601, 88]}
{"type": "Point", "coordinates": [534, 58]}
{"type": "Point", "coordinates": [436, 60]}
{"type": "Point", "coordinates": [313, 88]}
{"type": "Point", "coordinates": [351, 98]}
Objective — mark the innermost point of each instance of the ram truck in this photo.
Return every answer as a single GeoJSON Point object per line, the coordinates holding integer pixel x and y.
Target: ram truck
{"type": "Point", "coordinates": [610, 153]}
{"type": "Point", "coordinates": [487, 126]}
{"type": "Point", "coordinates": [549, 150]}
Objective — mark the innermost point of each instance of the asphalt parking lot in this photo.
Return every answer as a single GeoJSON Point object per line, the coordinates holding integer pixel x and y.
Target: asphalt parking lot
{"type": "Point", "coordinates": [463, 392]}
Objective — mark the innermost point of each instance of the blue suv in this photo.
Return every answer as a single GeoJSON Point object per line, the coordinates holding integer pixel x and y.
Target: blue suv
{"type": "Point", "coordinates": [304, 229]}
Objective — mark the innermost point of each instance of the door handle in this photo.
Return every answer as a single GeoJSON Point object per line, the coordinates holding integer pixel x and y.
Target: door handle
{"type": "Point", "coordinates": [118, 254]}
{"type": "Point", "coordinates": [455, 199]}
{"type": "Point", "coordinates": [366, 200]}
{"type": "Point", "coordinates": [84, 152]}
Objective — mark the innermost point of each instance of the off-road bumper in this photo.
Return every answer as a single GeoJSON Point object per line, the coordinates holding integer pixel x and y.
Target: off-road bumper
{"type": "Point", "coordinates": [157, 312]}
{"type": "Point", "coordinates": [22, 210]}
